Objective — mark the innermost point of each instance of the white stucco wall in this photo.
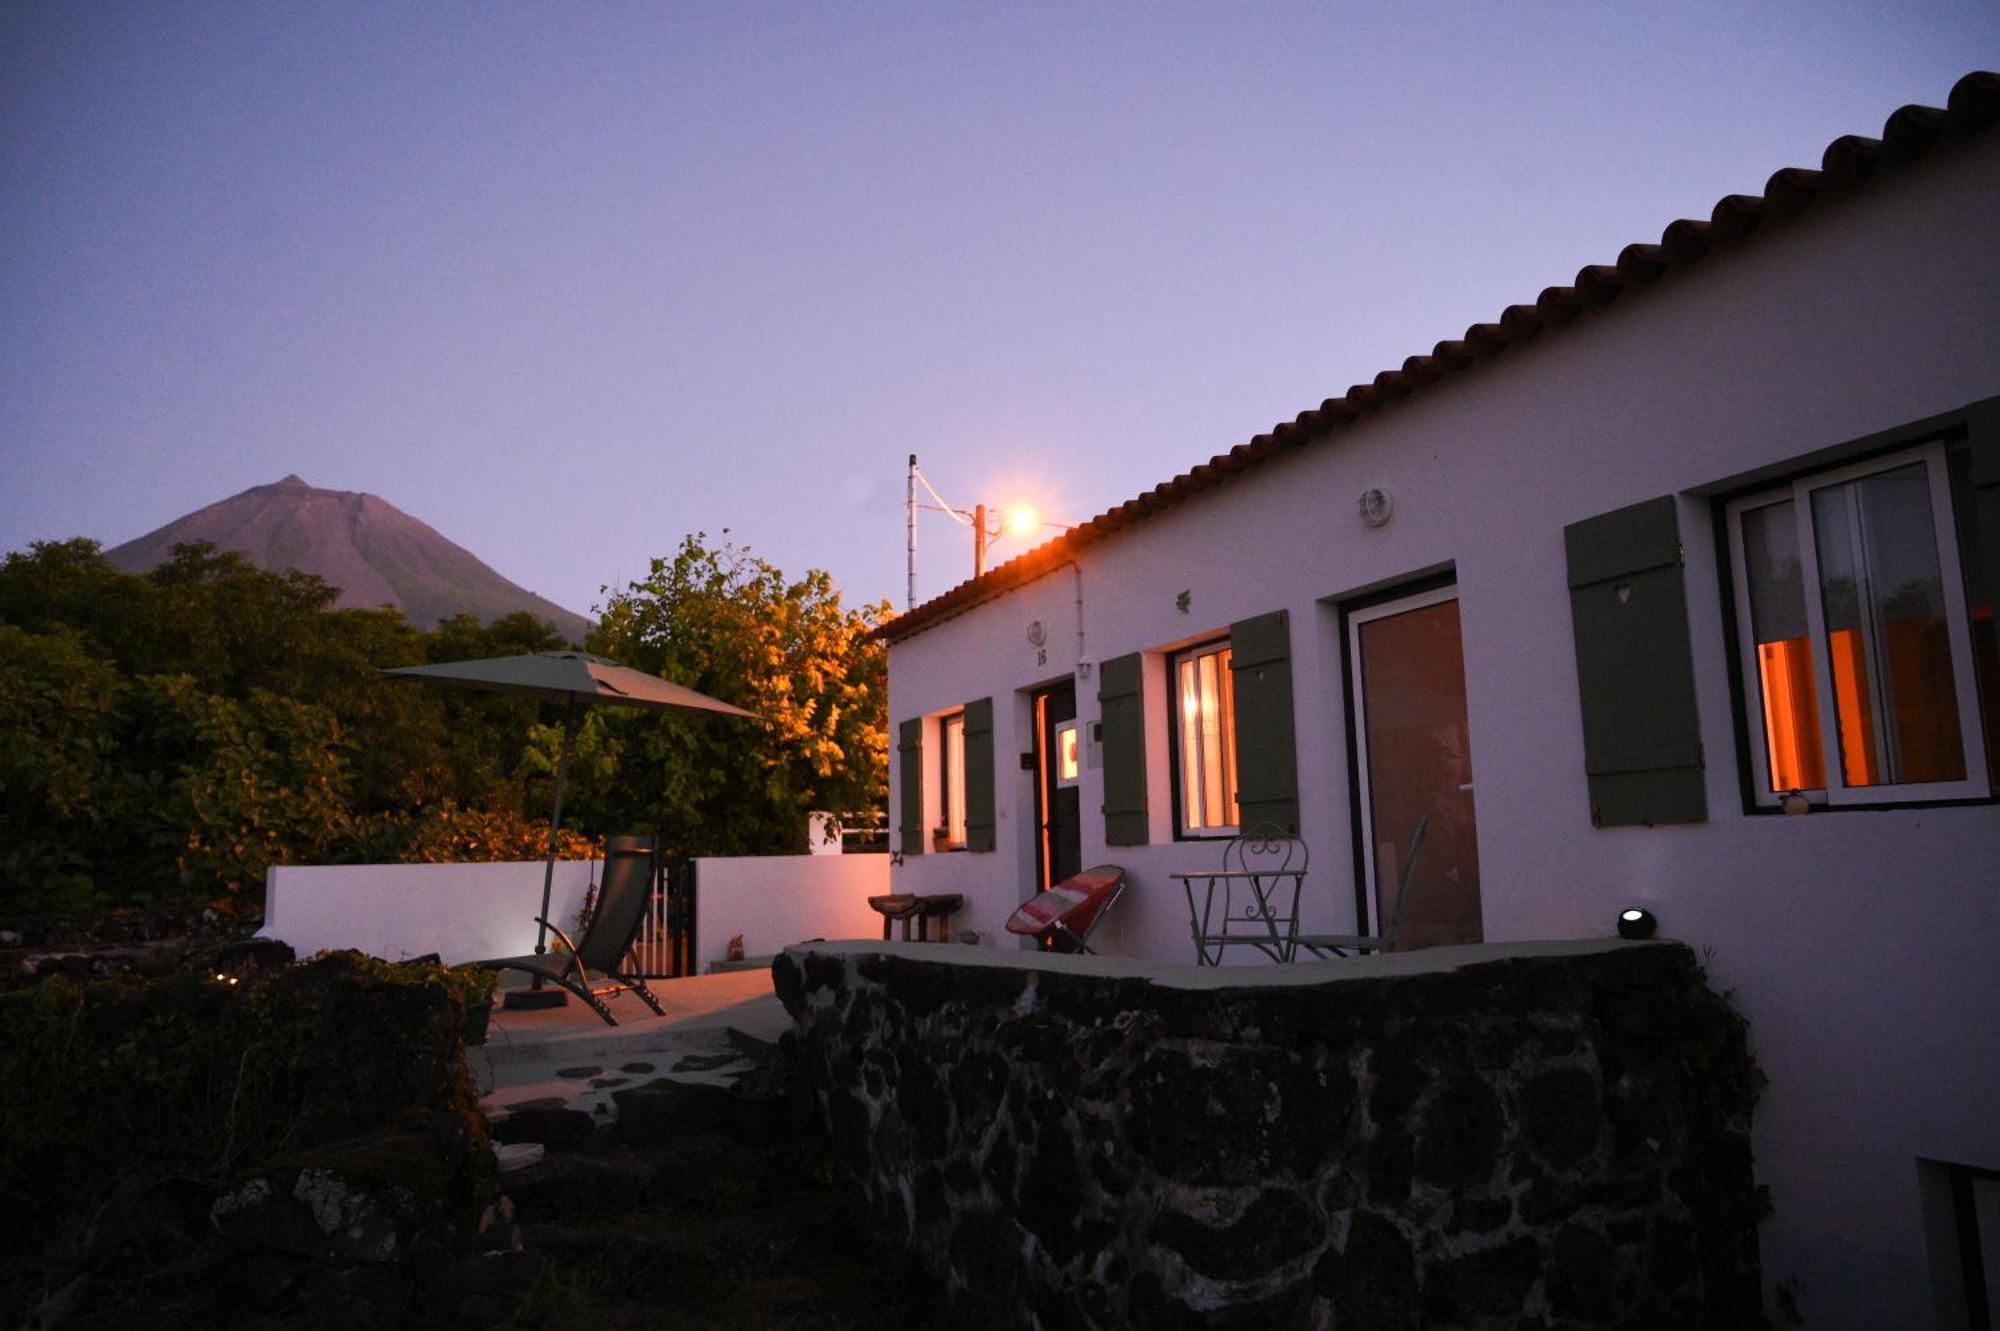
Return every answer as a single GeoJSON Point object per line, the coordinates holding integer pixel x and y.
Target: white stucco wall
{"type": "Point", "coordinates": [464, 912]}
{"type": "Point", "coordinates": [1860, 945]}
{"type": "Point", "coordinates": [777, 900]}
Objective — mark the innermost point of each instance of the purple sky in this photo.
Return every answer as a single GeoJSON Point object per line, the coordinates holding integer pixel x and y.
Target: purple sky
{"type": "Point", "coordinates": [568, 282]}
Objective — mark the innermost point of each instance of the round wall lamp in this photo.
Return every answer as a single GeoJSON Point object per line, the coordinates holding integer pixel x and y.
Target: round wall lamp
{"type": "Point", "coordinates": [1377, 506]}
{"type": "Point", "coordinates": [1636, 922]}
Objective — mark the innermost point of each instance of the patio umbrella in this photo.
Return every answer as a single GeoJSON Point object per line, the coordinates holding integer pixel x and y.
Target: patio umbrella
{"type": "Point", "coordinates": [572, 679]}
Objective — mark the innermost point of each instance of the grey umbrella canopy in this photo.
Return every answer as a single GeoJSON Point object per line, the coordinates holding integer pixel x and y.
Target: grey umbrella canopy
{"type": "Point", "coordinates": [570, 678]}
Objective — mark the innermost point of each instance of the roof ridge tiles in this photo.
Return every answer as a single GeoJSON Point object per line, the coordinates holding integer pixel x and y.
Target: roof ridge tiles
{"type": "Point", "coordinates": [1909, 132]}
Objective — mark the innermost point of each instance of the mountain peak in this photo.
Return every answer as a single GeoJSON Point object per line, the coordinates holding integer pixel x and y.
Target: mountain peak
{"type": "Point", "coordinates": [375, 553]}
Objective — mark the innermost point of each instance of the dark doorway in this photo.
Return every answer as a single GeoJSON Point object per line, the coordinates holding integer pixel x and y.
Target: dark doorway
{"type": "Point", "coordinates": [1058, 801]}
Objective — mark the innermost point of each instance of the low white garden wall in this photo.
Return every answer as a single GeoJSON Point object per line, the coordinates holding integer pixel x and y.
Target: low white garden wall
{"type": "Point", "coordinates": [774, 901]}
{"type": "Point", "coordinates": [464, 912]}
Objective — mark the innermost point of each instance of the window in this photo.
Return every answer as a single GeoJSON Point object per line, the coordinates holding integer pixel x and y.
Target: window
{"type": "Point", "coordinates": [1857, 642]}
{"type": "Point", "coordinates": [1066, 764]}
{"type": "Point", "coordinates": [1205, 742]}
{"type": "Point", "coordinates": [951, 783]}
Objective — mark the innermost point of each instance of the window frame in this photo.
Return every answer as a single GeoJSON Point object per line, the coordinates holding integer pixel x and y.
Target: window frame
{"type": "Point", "coordinates": [1175, 726]}
{"type": "Point", "coordinates": [941, 836]}
{"type": "Point", "coordinates": [1748, 683]}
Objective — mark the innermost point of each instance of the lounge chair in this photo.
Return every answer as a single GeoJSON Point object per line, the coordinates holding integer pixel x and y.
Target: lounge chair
{"type": "Point", "coordinates": [605, 950]}
{"type": "Point", "coordinates": [1341, 944]}
{"type": "Point", "coordinates": [1070, 911]}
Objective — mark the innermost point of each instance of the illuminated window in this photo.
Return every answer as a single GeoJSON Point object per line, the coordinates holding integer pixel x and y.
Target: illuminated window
{"type": "Point", "coordinates": [1858, 659]}
{"type": "Point", "coordinates": [951, 753]}
{"type": "Point", "coordinates": [1205, 742]}
{"type": "Point", "coordinates": [1066, 766]}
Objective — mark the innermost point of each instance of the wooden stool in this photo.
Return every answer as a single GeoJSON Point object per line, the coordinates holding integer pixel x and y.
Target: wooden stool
{"type": "Point", "coordinates": [897, 906]}
{"type": "Point", "coordinates": [940, 908]}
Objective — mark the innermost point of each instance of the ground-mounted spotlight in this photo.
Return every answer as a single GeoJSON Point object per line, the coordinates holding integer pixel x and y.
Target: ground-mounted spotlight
{"type": "Point", "coordinates": [1636, 922]}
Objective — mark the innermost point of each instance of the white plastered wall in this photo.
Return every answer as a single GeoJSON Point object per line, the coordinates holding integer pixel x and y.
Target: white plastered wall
{"type": "Point", "coordinates": [464, 912]}
{"type": "Point", "coordinates": [1863, 947]}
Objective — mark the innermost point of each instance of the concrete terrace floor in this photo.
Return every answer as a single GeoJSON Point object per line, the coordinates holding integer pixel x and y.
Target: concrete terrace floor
{"type": "Point", "coordinates": [568, 1056]}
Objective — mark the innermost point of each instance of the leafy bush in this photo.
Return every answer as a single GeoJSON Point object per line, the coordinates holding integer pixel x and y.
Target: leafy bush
{"type": "Point", "coordinates": [140, 1102]}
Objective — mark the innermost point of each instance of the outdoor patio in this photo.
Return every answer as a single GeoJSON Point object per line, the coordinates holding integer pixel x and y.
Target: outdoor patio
{"type": "Point", "coordinates": [565, 1057]}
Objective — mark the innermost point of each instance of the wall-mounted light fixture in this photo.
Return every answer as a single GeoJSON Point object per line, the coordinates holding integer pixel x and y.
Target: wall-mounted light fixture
{"type": "Point", "coordinates": [1636, 922]}
{"type": "Point", "coordinates": [1376, 505]}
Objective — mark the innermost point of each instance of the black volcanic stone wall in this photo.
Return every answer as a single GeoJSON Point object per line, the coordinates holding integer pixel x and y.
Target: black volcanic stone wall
{"type": "Point", "coordinates": [1524, 1141]}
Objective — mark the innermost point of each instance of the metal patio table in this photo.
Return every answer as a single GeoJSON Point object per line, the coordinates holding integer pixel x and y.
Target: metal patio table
{"type": "Point", "coordinates": [1243, 908]}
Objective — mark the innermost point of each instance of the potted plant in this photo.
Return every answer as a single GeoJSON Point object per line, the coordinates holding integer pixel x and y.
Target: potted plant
{"type": "Point", "coordinates": [474, 987]}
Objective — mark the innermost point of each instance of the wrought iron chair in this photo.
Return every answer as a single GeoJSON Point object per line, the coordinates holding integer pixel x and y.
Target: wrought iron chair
{"type": "Point", "coordinates": [605, 948]}
{"type": "Point", "coordinates": [1339, 945]}
{"type": "Point", "coordinates": [1253, 899]}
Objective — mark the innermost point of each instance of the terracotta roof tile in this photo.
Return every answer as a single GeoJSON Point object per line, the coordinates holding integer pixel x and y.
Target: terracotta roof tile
{"type": "Point", "coordinates": [1849, 161]}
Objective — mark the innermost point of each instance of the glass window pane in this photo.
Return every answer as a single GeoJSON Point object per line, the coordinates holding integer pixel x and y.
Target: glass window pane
{"type": "Point", "coordinates": [1888, 641]}
{"type": "Point", "coordinates": [1789, 692]}
{"type": "Point", "coordinates": [1207, 741]}
{"type": "Point", "coordinates": [1227, 812]}
{"type": "Point", "coordinates": [1190, 729]}
{"type": "Point", "coordinates": [1211, 744]}
{"type": "Point", "coordinates": [954, 767]}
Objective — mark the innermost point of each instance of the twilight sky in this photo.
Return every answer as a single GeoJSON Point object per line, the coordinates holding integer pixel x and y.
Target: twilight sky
{"type": "Point", "coordinates": [569, 281]}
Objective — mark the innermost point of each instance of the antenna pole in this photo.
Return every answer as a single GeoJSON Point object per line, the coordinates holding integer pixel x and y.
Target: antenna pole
{"type": "Point", "coordinates": [910, 518]}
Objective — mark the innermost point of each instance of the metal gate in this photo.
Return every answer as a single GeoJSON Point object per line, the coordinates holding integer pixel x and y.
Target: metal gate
{"type": "Point", "coordinates": [665, 947]}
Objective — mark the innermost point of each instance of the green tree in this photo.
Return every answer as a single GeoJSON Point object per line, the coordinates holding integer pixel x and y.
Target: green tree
{"type": "Point", "coordinates": [728, 624]}
{"type": "Point", "coordinates": [61, 779]}
{"type": "Point", "coordinates": [253, 782]}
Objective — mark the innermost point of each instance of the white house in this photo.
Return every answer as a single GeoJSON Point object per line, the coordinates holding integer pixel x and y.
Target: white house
{"type": "Point", "coordinates": [1671, 589]}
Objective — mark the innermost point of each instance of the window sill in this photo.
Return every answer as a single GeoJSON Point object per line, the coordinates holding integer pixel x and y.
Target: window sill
{"type": "Point", "coordinates": [1878, 806]}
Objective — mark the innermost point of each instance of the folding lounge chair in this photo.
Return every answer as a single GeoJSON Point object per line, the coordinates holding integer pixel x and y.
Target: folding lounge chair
{"type": "Point", "coordinates": [1342, 944]}
{"type": "Point", "coordinates": [1072, 909]}
{"type": "Point", "coordinates": [605, 950]}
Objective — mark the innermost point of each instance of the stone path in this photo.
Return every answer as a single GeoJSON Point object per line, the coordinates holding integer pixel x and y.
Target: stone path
{"type": "Point", "coordinates": [685, 1184]}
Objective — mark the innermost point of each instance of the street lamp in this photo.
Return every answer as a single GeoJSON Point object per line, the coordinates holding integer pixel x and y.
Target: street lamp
{"type": "Point", "coordinates": [1021, 521]}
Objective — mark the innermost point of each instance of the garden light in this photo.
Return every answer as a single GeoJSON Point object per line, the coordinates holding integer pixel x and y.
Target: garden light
{"type": "Point", "coordinates": [1635, 922]}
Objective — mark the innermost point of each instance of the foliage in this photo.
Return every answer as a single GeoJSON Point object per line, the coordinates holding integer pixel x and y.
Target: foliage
{"type": "Point", "coordinates": [448, 833]}
{"type": "Point", "coordinates": [168, 737]}
{"type": "Point", "coordinates": [728, 624]}
{"type": "Point", "coordinates": [59, 710]}
{"type": "Point", "coordinates": [130, 1105]}
{"type": "Point", "coordinates": [257, 780]}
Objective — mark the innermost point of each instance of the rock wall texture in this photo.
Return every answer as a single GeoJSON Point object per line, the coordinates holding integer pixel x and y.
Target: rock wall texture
{"type": "Point", "coordinates": [1555, 1136]}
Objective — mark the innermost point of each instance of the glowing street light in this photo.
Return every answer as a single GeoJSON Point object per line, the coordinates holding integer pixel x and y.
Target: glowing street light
{"type": "Point", "coordinates": [1022, 521]}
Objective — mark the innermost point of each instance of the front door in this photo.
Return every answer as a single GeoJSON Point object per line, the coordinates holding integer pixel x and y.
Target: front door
{"type": "Point", "coordinates": [1058, 802]}
{"type": "Point", "coordinates": [1414, 759]}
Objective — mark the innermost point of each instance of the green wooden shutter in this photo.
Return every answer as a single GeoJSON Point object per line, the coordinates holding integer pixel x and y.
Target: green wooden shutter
{"type": "Point", "coordinates": [1267, 766]}
{"type": "Point", "coordinates": [979, 820]}
{"type": "Point", "coordinates": [1982, 428]}
{"type": "Point", "coordinates": [1635, 667]}
{"type": "Point", "coordinates": [1121, 707]}
{"type": "Point", "coordinates": [910, 765]}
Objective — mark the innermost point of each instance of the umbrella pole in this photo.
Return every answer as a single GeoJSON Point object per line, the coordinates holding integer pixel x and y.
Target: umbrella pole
{"type": "Point", "coordinates": [555, 825]}
{"type": "Point", "coordinates": [537, 996]}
